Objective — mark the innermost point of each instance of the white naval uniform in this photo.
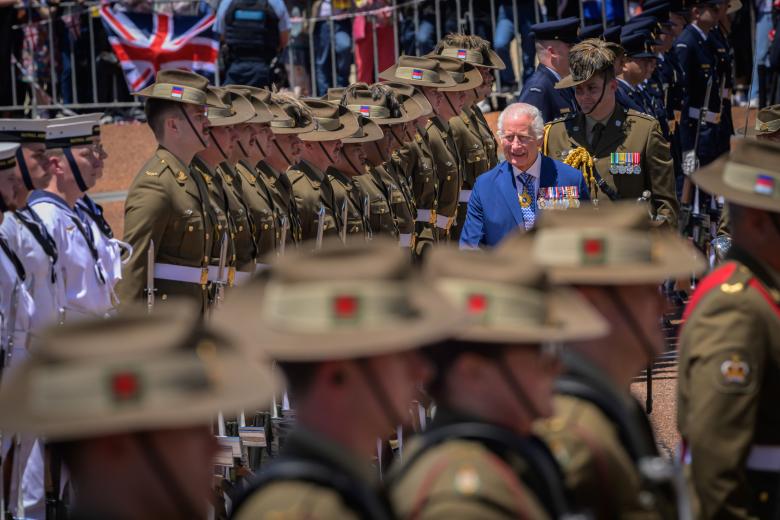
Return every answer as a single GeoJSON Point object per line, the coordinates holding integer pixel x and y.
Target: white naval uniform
{"type": "Point", "coordinates": [44, 279]}
{"type": "Point", "coordinates": [109, 248]}
{"type": "Point", "coordinates": [29, 456]}
{"type": "Point", "coordinates": [87, 288]}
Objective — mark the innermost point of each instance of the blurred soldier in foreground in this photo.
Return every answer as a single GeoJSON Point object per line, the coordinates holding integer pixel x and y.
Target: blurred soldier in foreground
{"type": "Point", "coordinates": [478, 458]}
{"type": "Point", "coordinates": [139, 412]}
{"type": "Point", "coordinates": [343, 325]}
{"type": "Point", "coordinates": [599, 433]}
{"type": "Point", "coordinates": [729, 364]}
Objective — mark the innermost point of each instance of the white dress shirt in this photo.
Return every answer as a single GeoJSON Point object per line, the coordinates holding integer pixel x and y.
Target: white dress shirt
{"type": "Point", "coordinates": [534, 171]}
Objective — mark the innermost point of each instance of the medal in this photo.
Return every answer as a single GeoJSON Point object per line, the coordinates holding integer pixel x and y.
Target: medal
{"type": "Point", "coordinates": [525, 199]}
{"type": "Point", "coordinates": [541, 203]}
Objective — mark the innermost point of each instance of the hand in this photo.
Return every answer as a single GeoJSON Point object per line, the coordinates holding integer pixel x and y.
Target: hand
{"type": "Point", "coordinates": [690, 163]}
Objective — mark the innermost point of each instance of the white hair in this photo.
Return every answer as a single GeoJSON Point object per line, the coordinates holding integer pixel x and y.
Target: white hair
{"type": "Point", "coordinates": [519, 109]}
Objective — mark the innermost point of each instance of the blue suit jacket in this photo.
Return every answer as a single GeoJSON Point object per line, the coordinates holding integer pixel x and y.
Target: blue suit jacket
{"type": "Point", "coordinates": [494, 210]}
{"type": "Point", "coordinates": [539, 90]}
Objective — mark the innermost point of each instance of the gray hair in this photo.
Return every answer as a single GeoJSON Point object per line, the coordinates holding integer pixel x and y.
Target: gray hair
{"type": "Point", "coordinates": [518, 109]}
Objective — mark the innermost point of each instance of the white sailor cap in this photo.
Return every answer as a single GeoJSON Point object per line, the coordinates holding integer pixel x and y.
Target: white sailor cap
{"type": "Point", "coordinates": [8, 155]}
{"type": "Point", "coordinates": [23, 130]}
{"type": "Point", "coordinates": [73, 131]}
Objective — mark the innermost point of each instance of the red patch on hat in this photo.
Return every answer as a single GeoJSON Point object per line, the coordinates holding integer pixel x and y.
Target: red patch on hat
{"type": "Point", "coordinates": [125, 386]}
{"type": "Point", "coordinates": [593, 250]}
{"type": "Point", "coordinates": [476, 303]}
{"type": "Point", "coordinates": [345, 307]}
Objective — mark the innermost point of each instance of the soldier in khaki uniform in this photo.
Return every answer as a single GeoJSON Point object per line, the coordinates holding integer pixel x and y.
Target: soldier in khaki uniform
{"type": "Point", "coordinates": [131, 419]}
{"type": "Point", "coordinates": [168, 203]}
{"type": "Point", "coordinates": [599, 433]}
{"type": "Point", "coordinates": [233, 223]}
{"type": "Point", "coordinates": [478, 458]}
{"type": "Point", "coordinates": [476, 143]}
{"type": "Point", "coordinates": [621, 152]}
{"type": "Point", "coordinates": [418, 157]}
{"type": "Point", "coordinates": [730, 346]}
{"type": "Point", "coordinates": [343, 325]}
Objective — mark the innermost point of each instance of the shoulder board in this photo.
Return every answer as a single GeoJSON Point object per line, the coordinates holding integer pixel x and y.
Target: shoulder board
{"type": "Point", "coordinates": [562, 119]}
{"type": "Point", "coordinates": [465, 118]}
{"type": "Point", "coordinates": [535, 89]}
{"type": "Point", "coordinates": [633, 113]}
{"type": "Point", "coordinates": [682, 45]}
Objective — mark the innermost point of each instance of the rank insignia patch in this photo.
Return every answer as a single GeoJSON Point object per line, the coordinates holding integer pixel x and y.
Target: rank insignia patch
{"type": "Point", "coordinates": [466, 480]}
{"type": "Point", "coordinates": [735, 371]}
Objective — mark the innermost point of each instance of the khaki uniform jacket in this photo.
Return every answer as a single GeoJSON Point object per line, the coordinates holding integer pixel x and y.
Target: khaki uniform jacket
{"type": "Point", "coordinates": [597, 464]}
{"type": "Point", "coordinates": [167, 203]}
{"type": "Point", "coordinates": [728, 387]}
{"type": "Point", "coordinates": [346, 189]}
{"type": "Point", "coordinates": [300, 500]}
{"type": "Point", "coordinates": [284, 201]}
{"type": "Point", "coordinates": [626, 131]}
{"type": "Point", "coordinates": [488, 138]}
{"type": "Point", "coordinates": [260, 203]}
{"type": "Point", "coordinates": [241, 217]}
{"type": "Point", "coordinates": [400, 195]}
{"type": "Point", "coordinates": [449, 170]}
{"type": "Point", "coordinates": [381, 217]}
{"type": "Point", "coordinates": [468, 139]}
{"type": "Point", "coordinates": [461, 479]}
{"type": "Point", "coordinates": [312, 190]}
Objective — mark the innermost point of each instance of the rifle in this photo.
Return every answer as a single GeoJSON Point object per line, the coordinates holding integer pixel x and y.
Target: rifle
{"type": "Point", "coordinates": [285, 224]}
{"type": "Point", "coordinates": [150, 278]}
{"type": "Point", "coordinates": [221, 281]}
{"type": "Point", "coordinates": [344, 218]}
{"type": "Point", "coordinates": [320, 226]}
{"type": "Point", "coordinates": [369, 235]}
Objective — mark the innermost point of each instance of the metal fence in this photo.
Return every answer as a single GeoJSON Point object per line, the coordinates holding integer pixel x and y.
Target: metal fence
{"type": "Point", "coordinates": [64, 63]}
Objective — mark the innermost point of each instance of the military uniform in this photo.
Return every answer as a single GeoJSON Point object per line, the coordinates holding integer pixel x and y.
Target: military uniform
{"type": "Point", "coordinates": [729, 366]}
{"type": "Point", "coordinates": [261, 205]}
{"type": "Point", "coordinates": [540, 92]}
{"type": "Point", "coordinates": [449, 173]}
{"type": "Point", "coordinates": [347, 191]}
{"type": "Point", "coordinates": [599, 435]}
{"type": "Point", "coordinates": [629, 140]}
{"type": "Point", "coordinates": [380, 194]}
{"type": "Point", "coordinates": [313, 191]}
{"type": "Point", "coordinates": [400, 196]}
{"type": "Point", "coordinates": [284, 202]}
{"type": "Point", "coordinates": [468, 139]}
{"type": "Point", "coordinates": [489, 142]}
{"type": "Point", "coordinates": [168, 203]}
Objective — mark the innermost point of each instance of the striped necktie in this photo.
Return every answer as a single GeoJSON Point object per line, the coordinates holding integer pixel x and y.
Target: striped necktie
{"type": "Point", "coordinates": [527, 199]}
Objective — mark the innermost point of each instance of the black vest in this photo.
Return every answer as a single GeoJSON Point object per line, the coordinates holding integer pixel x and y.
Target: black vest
{"type": "Point", "coordinates": [251, 29]}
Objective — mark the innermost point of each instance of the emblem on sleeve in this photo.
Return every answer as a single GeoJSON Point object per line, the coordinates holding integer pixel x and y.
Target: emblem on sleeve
{"type": "Point", "coordinates": [735, 371]}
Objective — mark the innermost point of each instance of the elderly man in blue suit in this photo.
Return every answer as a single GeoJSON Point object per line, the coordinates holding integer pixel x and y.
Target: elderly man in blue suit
{"type": "Point", "coordinates": [526, 182]}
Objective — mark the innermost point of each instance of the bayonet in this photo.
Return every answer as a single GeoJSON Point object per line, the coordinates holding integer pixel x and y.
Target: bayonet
{"type": "Point", "coordinates": [10, 324]}
{"type": "Point", "coordinates": [222, 270]}
{"type": "Point", "coordinates": [320, 226]}
{"type": "Point", "coordinates": [367, 218]}
{"type": "Point", "coordinates": [344, 218]}
{"type": "Point", "coordinates": [150, 278]}
{"type": "Point", "coordinates": [285, 225]}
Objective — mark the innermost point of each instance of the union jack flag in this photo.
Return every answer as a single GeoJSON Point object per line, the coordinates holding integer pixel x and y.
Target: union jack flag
{"type": "Point", "coordinates": [148, 42]}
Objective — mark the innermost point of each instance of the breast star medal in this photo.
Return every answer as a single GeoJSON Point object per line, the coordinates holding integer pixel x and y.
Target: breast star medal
{"type": "Point", "coordinates": [525, 199]}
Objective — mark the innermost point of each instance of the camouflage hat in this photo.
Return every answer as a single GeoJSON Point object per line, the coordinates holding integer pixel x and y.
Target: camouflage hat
{"type": "Point", "coordinates": [168, 370]}
{"type": "Point", "coordinates": [611, 245]}
{"type": "Point", "coordinates": [586, 59]}
{"type": "Point", "coordinates": [470, 48]}
{"type": "Point", "coordinates": [749, 175]}
{"type": "Point", "coordinates": [768, 120]}
{"type": "Point", "coordinates": [235, 109]}
{"type": "Point", "coordinates": [332, 122]}
{"type": "Point", "coordinates": [179, 86]}
{"type": "Point", "coordinates": [466, 76]}
{"type": "Point", "coordinates": [292, 116]}
{"type": "Point", "coordinates": [341, 302]}
{"type": "Point", "coordinates": [510, 301]}
{"type": "Point", "coordinates": [419, 72]}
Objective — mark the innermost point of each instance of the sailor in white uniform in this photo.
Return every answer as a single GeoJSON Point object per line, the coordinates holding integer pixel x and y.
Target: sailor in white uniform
{"type": "Point", "coordinates": [76, 161]}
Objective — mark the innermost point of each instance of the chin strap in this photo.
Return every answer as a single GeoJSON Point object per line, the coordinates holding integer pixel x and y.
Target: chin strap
{"type": "Point", "coordinates": [630, 320]}
{"type": "Point", "coordinates": [330, 159]}
{"type": "Point", "coordinates": [241, 147]}
{"type": "Point", "coordinates": [219, 147]}
{"type": "Point", "coordinates": [262, 152]}
{"type": "Point", "coordinates": [189, 121]}
{"type": "Point", "coordinates": [74, 168]}
{"type": "Point", "coordinates": [603, 89]}
{"type": "Point", "coordinates": [396, 137]}
{"type": "Point", "coordinates": [372, 381]}
{"type": "Point", "coordinates": [28, 183]}
{"type": "Point", "coordinates": [3, 205]}
{"type": "Point", "coordinates": [168, 478]}
{"type": "Point", "coordinates": [517, 389]}
{"type": "Point", "coordinates": [279, 148]}
{"type": "Point", "coordinates": [447, 97]}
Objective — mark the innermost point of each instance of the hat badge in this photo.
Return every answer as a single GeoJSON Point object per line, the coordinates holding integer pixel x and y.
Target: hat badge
{"type": "Point", "coordinates": [346, 307]}
{"type": "Point", "coordinates": [365, 110]}
{"type": "Point", "coordinates": [417, 74]}
{"type": "Point", "coordinates": [476, 303]}
{"type": "Point", "coordinates": [125, 386]}
{"type": "Point", "coordinates": [593, 250]}
{"type": "Point", "coordinates": [764, 185]}
{"type": "Point", "coordinates": [177, 92]}
{"type": "Point", "coordinates": [461, 54]}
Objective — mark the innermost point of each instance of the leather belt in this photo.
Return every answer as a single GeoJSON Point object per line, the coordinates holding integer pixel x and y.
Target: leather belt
{"type": "Point", "coordinates": [465, 196]}
{"type": "Point", "coordinates": [709, 117]}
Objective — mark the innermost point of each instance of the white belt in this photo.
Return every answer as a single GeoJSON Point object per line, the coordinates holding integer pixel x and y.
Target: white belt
{"type": "Point", "coordinates": [423, 215]}
{"type": "Point", "coordinates": [259, 268]}
{"type": "Point", "coordinates": [764, 458]}
{"type": "Point", "coordinates": [405, 240]}
{"type": "Point", "coordinates": [709, 117]}
{"type": "Point", "coordinates": [442, 221]}
{"type": "Point", "coordinates": [465, 196]}
{"type": "Point", "coordinates": [198, 275]}
{"type": "Point", "coordinates": [725, 93]}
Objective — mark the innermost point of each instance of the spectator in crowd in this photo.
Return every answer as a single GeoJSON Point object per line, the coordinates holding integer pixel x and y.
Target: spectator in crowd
{"type": "Point", "coordinates": [254, 32]}
{"type": "Point", "coordinates": [505, 35]}
{"type": "Point", "coordinates": [363, 32]}
{"type": "Point", "coordinates": [761, 56]}
{"type": "Point", "coordinates": [510, 195]}
{"type": "Point", "coordinates": [341, 39]}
